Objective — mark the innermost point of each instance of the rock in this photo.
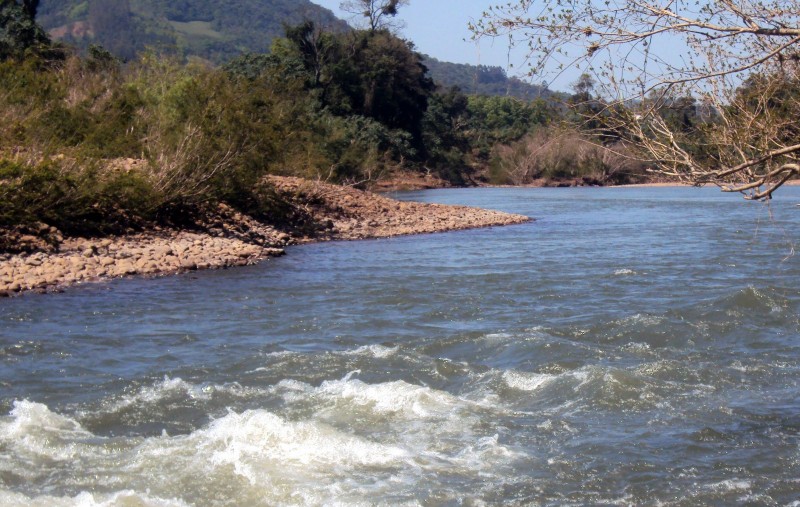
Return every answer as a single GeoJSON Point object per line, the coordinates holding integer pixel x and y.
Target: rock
{"type": "Point", "coordinates": [89, 252]}
{"type": "Point", "coordinates": [5, 294]}
{"type": "Point", "coordinates": [188, 265]}
{"type": "Point", "coordinates": [126, 267]}
{"type": "Point", "coordinates": [33, 261]}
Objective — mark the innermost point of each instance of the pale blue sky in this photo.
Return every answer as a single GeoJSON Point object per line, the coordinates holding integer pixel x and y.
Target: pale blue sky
{"type": "Point", "coordinates": [439, 28]}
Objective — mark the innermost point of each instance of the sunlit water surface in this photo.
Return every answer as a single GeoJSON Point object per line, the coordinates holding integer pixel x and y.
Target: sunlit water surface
{"type": "Point", "coordinates": [631, 346]}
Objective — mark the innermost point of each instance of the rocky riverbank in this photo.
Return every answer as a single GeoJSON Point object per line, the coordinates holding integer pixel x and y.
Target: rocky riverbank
{"type": "Point", "coordinates": [320, 212]}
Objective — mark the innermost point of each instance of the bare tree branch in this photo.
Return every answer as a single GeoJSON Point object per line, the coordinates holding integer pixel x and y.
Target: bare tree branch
{"type": "Point", "coordinates": [740, 61]}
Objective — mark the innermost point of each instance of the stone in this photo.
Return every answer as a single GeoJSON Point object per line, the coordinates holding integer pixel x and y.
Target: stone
{"type": "Point", "coordinates": [126, 267]}
{"type": "Point", "coordinates": [33, 260]}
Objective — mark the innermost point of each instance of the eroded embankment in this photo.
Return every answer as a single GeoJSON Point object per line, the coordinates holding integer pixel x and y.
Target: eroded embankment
{"type": "Point", "coordinates": [321, 212]}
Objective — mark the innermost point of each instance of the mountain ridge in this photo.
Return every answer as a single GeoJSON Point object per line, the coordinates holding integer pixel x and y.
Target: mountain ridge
{"type": "Point", "coordinates": [222, 30]}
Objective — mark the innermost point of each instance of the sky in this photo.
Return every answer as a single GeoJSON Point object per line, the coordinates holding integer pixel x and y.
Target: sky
{"type": "Point", "coordinates": [439, 28]}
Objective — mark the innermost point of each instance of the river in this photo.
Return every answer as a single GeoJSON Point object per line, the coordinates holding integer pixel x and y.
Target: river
{"type": "Point", "coordinates": [632, 346]}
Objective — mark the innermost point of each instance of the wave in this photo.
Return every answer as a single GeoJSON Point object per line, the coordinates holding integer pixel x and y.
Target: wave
{"type": "Point", "coordinates": [176, 388]}
{"type": "Point", "coordinates": [85, 499]}
{"type": "Point", "coordinates": [340, 442]}
{"type": "Point", "coordinates": [375, 350]}
{"type": "Point", "coordinates": [21, 348]}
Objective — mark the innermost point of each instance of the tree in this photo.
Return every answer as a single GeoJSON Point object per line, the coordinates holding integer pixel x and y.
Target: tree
{"type": "Point", "coordinates": [624, 41]}
{"type": "Point", "coordinates": [30, 7]}
{"type": "Point", "coordinates": [315, 47]}
{"type": "Point", "coordinates": [368, 73]}
{"type": "Point", "coordinates": [18, 28]}
{"type": "Point", "coordinates": [584, 86]}
{"type": "Point", "coordinates": [376, 12]}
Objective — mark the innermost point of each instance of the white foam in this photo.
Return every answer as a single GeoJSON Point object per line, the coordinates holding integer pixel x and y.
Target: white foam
{"type": "Point", "coordinates": [38, 433]}
{"type": "Point", "coordinates": [257, 443]}
{"type": "Point", "coordinates": [121, 498]}
{"type": "Point", "coordinates": [731, 485]}
{"type": "Point", "coordinates": [642, 320]}
{"type": "Point", "coordinates": [625, 272]}
{"type": "Point", "coordinates": [344, 442]}
{"type": "Point", "coordinates": [636, 347]}
{"type": "Point", "coordinates": [170, 387]}
{"type": "Point", "coordinates": [27, 415]}
{"type": "Point", "coordinates": [377, 351]}
{"type": "Point", "coordinates": [485, 449]}
{"type": "Point", "coordinates": [524, 381]}
{"type": "Point", "coordinates": [496, 338]}
{"type": "Point", "coordinates": [394, 398]}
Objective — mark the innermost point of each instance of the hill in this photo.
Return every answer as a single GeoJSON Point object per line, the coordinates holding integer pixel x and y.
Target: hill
{"type": "Point", "coordinates": [221, 30]}
{"type": "Point", "coordinates": [216, 31]}
{"type": "Point", "coordinates": [482, 80]}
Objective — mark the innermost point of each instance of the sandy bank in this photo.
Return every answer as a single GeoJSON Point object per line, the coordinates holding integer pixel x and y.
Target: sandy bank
{"type": "Point", "coordinates": [322, 213]}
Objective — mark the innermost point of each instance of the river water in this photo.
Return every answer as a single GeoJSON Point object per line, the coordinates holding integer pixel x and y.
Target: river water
{"type": "Point", "coordinates": [630, 347]}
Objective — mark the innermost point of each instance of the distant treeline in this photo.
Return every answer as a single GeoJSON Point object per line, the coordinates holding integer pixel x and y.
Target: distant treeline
{"type": "Point", "coordinates": [483, 80]}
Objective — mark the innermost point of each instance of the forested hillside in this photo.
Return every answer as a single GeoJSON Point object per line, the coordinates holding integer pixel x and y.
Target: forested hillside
{"type": "Point", "coordinates": [217, 31]}
{"type": "Point", "coordinates": [482, 80]}
{"type": "Point", "coordinates": [222, 30]}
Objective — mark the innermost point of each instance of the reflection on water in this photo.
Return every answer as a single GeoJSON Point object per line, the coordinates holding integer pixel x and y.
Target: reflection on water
{"type": "Point", "coordinates": [631, 346]}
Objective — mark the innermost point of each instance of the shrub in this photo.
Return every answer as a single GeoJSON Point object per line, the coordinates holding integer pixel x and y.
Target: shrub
{"type": "Point", "coordinates": [78, 200]}
{"type": "Point", "coordinates": [563, 154]}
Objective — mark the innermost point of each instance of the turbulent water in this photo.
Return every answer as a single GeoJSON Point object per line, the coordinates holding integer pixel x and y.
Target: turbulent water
{"type": "Point", "coordinates": [630, 347]}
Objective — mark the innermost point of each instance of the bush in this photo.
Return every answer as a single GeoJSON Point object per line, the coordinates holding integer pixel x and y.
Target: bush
{"type": "Point", "coordinates": [78, 200]}
{"type": "Point", "coordinates": [564, 155]}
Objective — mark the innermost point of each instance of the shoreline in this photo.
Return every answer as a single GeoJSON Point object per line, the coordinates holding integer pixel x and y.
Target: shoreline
{"type": "Point", "coordinates": [329, 213]}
